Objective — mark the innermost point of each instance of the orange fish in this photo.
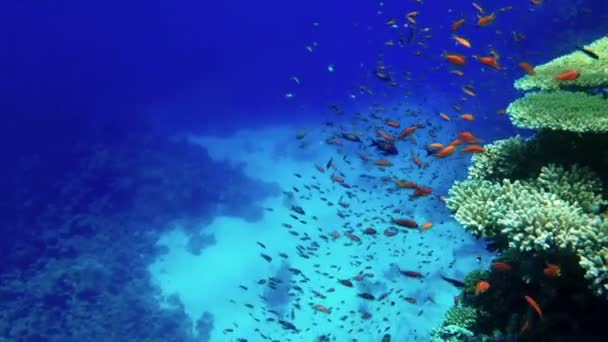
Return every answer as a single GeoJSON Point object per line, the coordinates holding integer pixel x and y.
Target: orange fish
{"type": "Point", "coordinates": [456, 25]}
{"type": "Point", "coordinates": [462, 41]}
{"type": "Point", "coordinates": [569, 75]}
{"type": "Point", "coordinates": [426, 226]}
{"type": "Point", "coordinates": [456, 142]}
{"type": "Point", "coordinates": [536, 2]}
{"type": "Point", "coordinates": [446, 151]}
{"type": "Point", "coordinates": [473, 149]}
{"type": "Point", "coordinates": [337, 178]}
{"type": "Point", "coordinates": [457, 72]}
{"type": "Point", "coordinates": [416, 160]}
{"type": "Point", "coordinates": [552, 271]}
{"type": "Point", "coordinates": [383, 162]}
{"type": "Point", "coordinates": [527, 67]}
{"type": "Point", "coordinates": [468, 117]}
{"type": "Point", "coordinates": [444, 116]}
{"type": "Point", "coordinates": [534, 306]}
{"type": "Point", "coordinates": [490, 61]}
{"type": "Point", "coordinates": [385, 135]}
{"type": "Point", "coordinates": [481, 287]}
{"type": "Point", "coordinates": [456, 59]}
{"type": "Point", "coordinates": [435, 145]}
{"type": "Point", "coordinates": [404, 184]}
{"type": "Point", "coordinates": [486, 20]}
{"type": "Point", "coordinates": [320, 168]}
{"type": "Point", "coordinates": [467, 137]}
{"type": "Point", "coordinates": [501, 266]}
{"type": "Point", "coordinates": [420, 191]}
{"type": "Point", "coordinates": [407, 131]}
{"type": "Point", "coordinates": [322, 308]}
{"type": "Point", "coordinates": [392, 123]}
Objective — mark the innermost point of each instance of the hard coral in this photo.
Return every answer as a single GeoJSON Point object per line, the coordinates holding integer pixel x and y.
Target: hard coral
{"type": "Point", "coordinates": [594, 73]}
{"type": "Point", "coordinates": [561, 110]}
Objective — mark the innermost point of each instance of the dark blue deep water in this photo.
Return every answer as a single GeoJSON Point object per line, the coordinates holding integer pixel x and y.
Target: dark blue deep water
{"type": "Point", "coordinates": [161, 169]}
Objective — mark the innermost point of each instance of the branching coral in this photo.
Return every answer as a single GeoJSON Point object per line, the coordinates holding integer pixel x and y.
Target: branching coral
{"type": "Point", "coordinates": [561, 110]}
{"type": "Point", "coordinates": [593, 73]}
{"type": "Point", "coordinates": [456, 326]}
{"type": "Point", "coordinates": [556, 210]}
{"type": "Point", "coordinates": [500, 159]}
{"type": "Point", "coordinates": [569, 105]}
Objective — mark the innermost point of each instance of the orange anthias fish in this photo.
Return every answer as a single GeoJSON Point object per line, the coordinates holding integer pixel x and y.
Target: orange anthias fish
{"type": "Point", "coordinates": [426, 226]}
{"type": "Point", "coordinates": [459, 60]}
{"type": "Point", "coordinates": [552, 271]}
{"type": "Point", "coordinates": [458, 24]}
{"type": "Point", "coordinates": [383, 162]}
{"type": "Point", "coordinates": [392, 123]}
{"type": "Point", "coordinates": [569, 75]}
{"type": "Point", "coordinates": [527, 67]}
{"type": "Point", "coordinates": [446, 151]}
{"type": "Point", "coordinates": [490, 61]}
{"type": "Point", "coordinates": [473, 149]}
{"type": "Point", "coordinates": [534, 306]}
{"type": "Point", "coordinates": [408, 131]}
{"type": "Point", "coordinates": [468, 117]}
{"type": "Point", "coordinates": [481, 287]}
{"type": "Point", "coordinates": [486, 20]}
{"type": "Point", "coordinates": [416, 160]}
{"type": "Point", "coordinates": [468, 137]}
{"type": "Point", "coordinates": [501, 266]}
{"type": "Point", "coordinates": [322, 308]}
{"type": "Point", "coordinates": [385, 135]}
{"type": "Point", "coordinates": [462, 41]}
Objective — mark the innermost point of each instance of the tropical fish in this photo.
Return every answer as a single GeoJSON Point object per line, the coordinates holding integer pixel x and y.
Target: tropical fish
{"type": "Point", "coordinates": [534, 306]}
{"type": "Point", "coordinates": [407, 223]}
{"type": "Point", "coordinates": [462, 41]}
{"type": "Point", "coordinates": [446, 151]}
{"type": "Point", "coordinates": [351, 137]}
{"type": "Point", "coordinates": [366, 295]}
{"type": "Point", "coordinates": [457, 24]}
{"type": "Point", "coordinates": [552, 271]}
{"type": "Point", "coordinates": [473, 149]}
{"type": "Point", "coordinates": [527, 67]}
{"type": "Point", "coordinates": [485, 20]}
{"type": "Point", "coordinates": [387, 147]}
{"type": "Point", "coordinates": [459, 60]}
{"type": "Point", "coordinates": [481, 287]}
{"type": "Point", "coordinates": [501, 266]}
{"type": "Point", "coordinates": [411, 274]}
{"type": "Point", "coordinates": [568, 75]}
{"type": "Point", "coordinates": [322, 308]}
{"type": "Point", "coordinates": [588, 52]}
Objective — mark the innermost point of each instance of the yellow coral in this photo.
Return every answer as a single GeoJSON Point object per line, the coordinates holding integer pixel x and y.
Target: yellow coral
{"type": "Point", "coordinates": [561, 110]}
{"type": "Point", "coordinates": [594, 72]}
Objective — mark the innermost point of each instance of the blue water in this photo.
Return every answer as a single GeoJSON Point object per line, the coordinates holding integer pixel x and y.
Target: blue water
{"type": "Point", "coordinates": [148, 147]}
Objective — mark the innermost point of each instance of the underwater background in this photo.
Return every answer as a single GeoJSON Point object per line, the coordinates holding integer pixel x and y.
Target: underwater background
{"type": "Point", "coordinates": [304, 170]}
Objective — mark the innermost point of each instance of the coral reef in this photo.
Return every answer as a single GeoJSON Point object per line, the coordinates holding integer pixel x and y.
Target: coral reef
{"type": "Point", "coordinates": [593, 72]}
{"type": "Point", "coordinates": [542, 202]}
{"type": "Point", "coordinates": [579, 104]}
{"type": "Point", "coordinates": [561, 110]}
{"type": "Point", "coordinates": [456, 326]}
